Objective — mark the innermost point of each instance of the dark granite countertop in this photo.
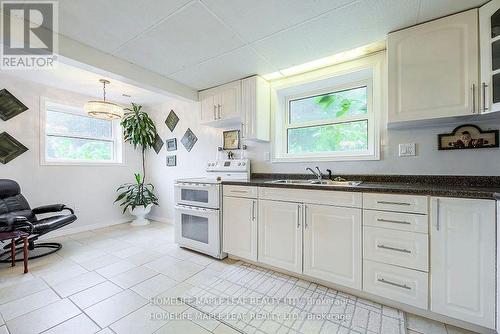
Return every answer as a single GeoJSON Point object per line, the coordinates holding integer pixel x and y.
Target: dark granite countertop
{"type": "Point", "coordinates": [445, 186]}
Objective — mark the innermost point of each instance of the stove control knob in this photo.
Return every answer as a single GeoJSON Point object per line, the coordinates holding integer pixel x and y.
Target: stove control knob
{"type": "Point", "coordinates": [239, 163]}
{"type": "Point", "coordinates": [243, 163]}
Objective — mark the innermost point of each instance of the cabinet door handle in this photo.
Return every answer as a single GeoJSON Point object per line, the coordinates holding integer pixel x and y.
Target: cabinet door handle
{"type": "Point", "coordinates": [403, 286]}
{"type": "Point", "coordinates": [392, 203]}
{"type": "Point", "coordinates": [473, 98]}
{"type": "Point", "coordinates": [218, 111]}
{"type": "Point", "coordinates": [394, 249]}
{"type": "Point", "coordinates": [305, 216]}
{"type": "Point", "coordinates": [485, 104]}
{"type": "Point", "coordinates": [298, 216]}
{"type": "Point", "coordinates": [215, 112]}
{"type": "Point", "coordinates": [253, 210]}
{"type": "Point", "coordinates": [393, 221]}
{"type": "Point", "coordinates": [437, 214]}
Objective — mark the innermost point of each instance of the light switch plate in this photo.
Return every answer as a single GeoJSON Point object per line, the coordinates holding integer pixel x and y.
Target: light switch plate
{"type": "Point", "coordinates": [407, 150]}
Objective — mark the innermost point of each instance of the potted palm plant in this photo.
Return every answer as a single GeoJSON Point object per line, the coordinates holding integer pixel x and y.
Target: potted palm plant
{"type": "Point", "coordinates": [138, 197]}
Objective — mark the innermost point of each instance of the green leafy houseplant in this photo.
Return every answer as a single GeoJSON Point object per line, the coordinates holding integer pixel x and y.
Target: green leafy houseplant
{"type": "Point", "coordinates": [140, 131]}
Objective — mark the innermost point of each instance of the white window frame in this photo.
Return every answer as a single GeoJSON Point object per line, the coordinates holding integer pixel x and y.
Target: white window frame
{"type": "Point", "coordinates": [367, 72]}
{"type": "Point", "coordinates": [46, 104]}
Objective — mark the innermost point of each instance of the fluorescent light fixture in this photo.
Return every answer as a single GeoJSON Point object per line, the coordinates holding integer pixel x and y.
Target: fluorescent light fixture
{"type": "Point", "coordinates": [327, 61]}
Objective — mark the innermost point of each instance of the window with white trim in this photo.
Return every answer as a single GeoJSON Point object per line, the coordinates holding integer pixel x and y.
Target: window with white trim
{"type": "Point", "coordinates": [331, 118]}
{"type": "Point", "coordinates": [72, 137]}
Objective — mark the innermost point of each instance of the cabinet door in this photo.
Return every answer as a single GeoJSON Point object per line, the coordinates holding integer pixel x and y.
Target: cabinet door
{"type": "Point", "coordinates": [463, 259]}
{"type": "Point", "coordinates": [489, 34]}
{"type": "Point", "coordinates": [434, 69]}
{"type": "Point", "coordinates": [255, 108]}
{"type": "Point", "coordinates": [280, 235]}
{"type": "Point", "coordinates": [240, 227]}
{"type": "Point", "coordinates": [332, 244]}
{"type": "Point", "coordinates": [208, 108]}
{"type": "Point", "coordinates": [229, 105]}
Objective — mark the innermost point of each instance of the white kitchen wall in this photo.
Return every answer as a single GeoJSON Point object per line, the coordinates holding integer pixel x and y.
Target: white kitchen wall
{"type": "Point", "coordinates": [189, 164]}
{"type": "Point", "coordinates": [91, 189]}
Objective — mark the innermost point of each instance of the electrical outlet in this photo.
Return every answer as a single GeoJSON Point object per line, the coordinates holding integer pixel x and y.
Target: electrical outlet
{"type": "Point", "coordinates": [407, 150]}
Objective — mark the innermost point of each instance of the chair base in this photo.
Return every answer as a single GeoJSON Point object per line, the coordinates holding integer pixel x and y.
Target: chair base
{"type": "Point", "coordinates": [51, 247]}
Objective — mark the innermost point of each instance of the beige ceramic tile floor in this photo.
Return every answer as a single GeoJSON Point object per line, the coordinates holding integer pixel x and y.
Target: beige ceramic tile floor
{"type": "Point", "coordinates": [103, 281]}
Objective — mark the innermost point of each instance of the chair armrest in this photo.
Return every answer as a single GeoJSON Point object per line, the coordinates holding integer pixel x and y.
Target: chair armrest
{"type": "Point", "coordinates": [10, 223]}
{"type": "Point", "coordinates": [51, 208]}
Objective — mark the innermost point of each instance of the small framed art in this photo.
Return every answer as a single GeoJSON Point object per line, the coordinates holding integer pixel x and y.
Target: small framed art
{"type": "Point", "coordinates": [231, 140]}
{"type": "Point", "coordinates": [171, 144]}
{"type": "Point", "coordinates": [171, 160]}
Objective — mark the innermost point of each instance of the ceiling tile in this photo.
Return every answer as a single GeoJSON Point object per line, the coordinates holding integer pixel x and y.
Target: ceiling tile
{"type": "Point", "coordinates": [106, 25]}
{"type": "Point", "coordinates": [432, 9]}
{"type": "Point", "coordinates": [235, 65]}
{"type": "Point", "coordinates": [259, 18]}
{"type": "Point", "coordinates": [360, 24]}
{"type": "Point", "coordinates": [188, 37]}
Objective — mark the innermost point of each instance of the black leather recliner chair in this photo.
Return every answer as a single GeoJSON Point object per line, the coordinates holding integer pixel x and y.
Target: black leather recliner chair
{"type": "Point", "coordinates": [16, 214]}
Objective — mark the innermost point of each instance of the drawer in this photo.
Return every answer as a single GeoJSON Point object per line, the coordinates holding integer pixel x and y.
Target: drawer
{"type": "Point", "coordinates": [240, 191]}
{"type": "Point", "coordinates": [399, 284]}
{"type": "Point", "coordinates": [398, 203]}
{"type": "Point", "coordinates": [400, 248]}
{"type": "Point", "coordinates": [396, 221]}
{"type": "Point", "coordinates": [322, 197]}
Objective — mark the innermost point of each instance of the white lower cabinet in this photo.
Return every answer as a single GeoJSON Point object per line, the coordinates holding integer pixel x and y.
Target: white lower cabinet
{"type": "Point", "coordinates": [399, 284]}
{"type": "Point", "coordinates": [332, 244]}
{"type": "Point", "coordinates": [240, 227]}
{"type": "Point", "coordinates": [463, 259]}
{"type": "Point", "coordinates": [280, 235]}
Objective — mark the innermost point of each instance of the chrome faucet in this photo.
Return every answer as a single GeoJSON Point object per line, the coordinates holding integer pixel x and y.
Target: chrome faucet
{"type": "Point", "coordinates": [317, 174]}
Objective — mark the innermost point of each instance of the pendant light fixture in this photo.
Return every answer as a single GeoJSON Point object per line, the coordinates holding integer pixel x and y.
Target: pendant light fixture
{"type": "Point", "coordinates": [103, 109]}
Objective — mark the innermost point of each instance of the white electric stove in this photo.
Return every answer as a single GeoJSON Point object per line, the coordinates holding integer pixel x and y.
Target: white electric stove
{"type": "Point", "coordinates": [198, 217]}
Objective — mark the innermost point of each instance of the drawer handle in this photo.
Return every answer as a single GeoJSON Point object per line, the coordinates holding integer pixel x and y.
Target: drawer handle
{"type": "Point", "coordinates": [403, 286]}
{"type": "Point", "coordinates": [393, 203]}
{"type": "Point", "coordinates": [394, 249]}
{"type": "Point", "coordinates": [393, 221]}
{"type": "Point", "coordinates": [238, 191]}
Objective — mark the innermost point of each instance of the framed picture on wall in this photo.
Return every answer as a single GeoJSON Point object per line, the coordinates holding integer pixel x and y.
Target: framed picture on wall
{"type": "Point", "coordinates": [231, 140]}
{"type": "Point", "coordinates": [171, 160]}
{"type": "Point", "coordinates": [171, 144]}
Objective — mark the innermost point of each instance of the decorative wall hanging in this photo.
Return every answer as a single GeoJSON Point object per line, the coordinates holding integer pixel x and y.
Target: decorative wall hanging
{"type": "Point", "coordinates": [158, 144]}
{"type": "Point", "coordinates": [231, 140]}
{"type": "Point", "coordinates": [171, 160]}
{"type": "Point", "coordinates": [171, 144]}
{"type": "Point", "coordinates": [172, 120]}
{"type": "Point", "coordinates": [10, 148]}
{"type": "Point", "coordinates": [468, 137]}
{"type": "Point", "coordinates": [10, 106]}
{"type": "Point", "coordinates": [189, 140]}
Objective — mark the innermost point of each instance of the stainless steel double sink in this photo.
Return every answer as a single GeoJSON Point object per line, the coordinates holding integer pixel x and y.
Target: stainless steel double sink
{"type": "Point", "coordinates": [315, 182]}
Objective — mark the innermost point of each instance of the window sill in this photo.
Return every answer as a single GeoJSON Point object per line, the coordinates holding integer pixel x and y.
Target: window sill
{"type": "Point", "coordinates": [324, 158]}
{"type": "Point", "coordinates": [82, 163]}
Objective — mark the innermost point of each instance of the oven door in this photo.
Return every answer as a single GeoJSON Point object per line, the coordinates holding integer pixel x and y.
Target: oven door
{"type": "Point", "coordinates": [198, 229]}
{"type": "Point", "coordinates": [197, 194]}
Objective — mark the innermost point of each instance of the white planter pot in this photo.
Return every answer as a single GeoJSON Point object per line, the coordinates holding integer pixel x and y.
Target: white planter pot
{"type": "Point", "coordinates": [140, 213]}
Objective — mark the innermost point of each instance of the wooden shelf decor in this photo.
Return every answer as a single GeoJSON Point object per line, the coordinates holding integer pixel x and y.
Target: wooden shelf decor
{"type": "Point", "coordinates": [468, 136]}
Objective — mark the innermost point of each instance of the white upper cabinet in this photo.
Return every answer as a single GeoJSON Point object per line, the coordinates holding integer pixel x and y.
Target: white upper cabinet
{"type": "Point", "coordinates": [434, 69]}
{"type": "Point", "coordinates": [255, 108]}
{"type": "Point", "coordinates": [489, 30]}
{"type": "Point", "coordinates": [463, 259]}
{"type": "Point", "coordinates": [332, 244]}
{"type": "Point", "coordinates": [221, 106]}
{"type": "Point", "coordinates": [280, 235]}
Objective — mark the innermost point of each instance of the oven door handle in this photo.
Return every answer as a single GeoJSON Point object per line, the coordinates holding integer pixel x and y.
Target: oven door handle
{"type": "Point", "coordinates": [192, 208]}
{"type": "Point", "coordinates": [194, 185]}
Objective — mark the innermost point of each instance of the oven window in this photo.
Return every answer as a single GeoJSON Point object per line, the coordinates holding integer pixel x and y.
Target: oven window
{"type": "Point", "coordinates": [200, 196]}
{"type": "Point", "coordinates": [194, 228]}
